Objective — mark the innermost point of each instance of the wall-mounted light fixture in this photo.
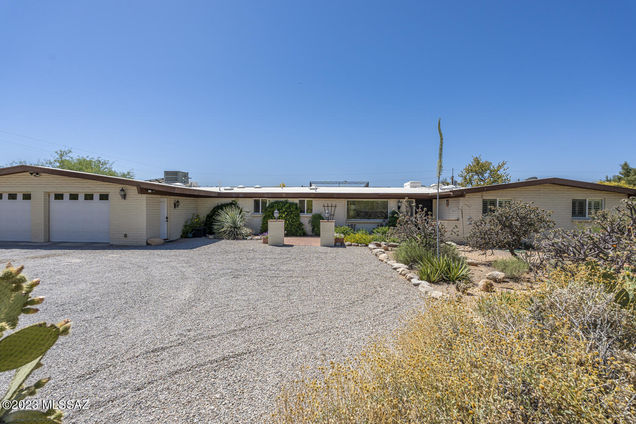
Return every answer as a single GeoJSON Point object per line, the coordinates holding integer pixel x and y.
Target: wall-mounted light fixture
{"type": "Point", "coordinates": [122, 193]}
{"type": "Point", "coordinates": [176, 204]}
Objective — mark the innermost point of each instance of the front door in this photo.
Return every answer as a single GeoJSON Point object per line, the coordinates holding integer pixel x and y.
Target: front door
{"type": "Point", "coordinates": [163, 218]}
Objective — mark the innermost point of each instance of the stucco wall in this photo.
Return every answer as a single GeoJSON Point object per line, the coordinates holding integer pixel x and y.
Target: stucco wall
{"type": "Point", "coordinates": [127, 217]}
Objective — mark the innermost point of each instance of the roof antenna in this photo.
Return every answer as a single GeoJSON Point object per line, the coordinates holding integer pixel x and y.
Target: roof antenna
{"type": "Point", "coordinates": [452, 176]}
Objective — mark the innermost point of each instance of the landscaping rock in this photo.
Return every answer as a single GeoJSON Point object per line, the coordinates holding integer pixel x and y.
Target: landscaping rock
{"type": "Point", "coordinates": [373, 246]}
{"type": "Point", "coordinates": [155, 241]}
{"type": "Point", "coordinates": [436, 294]}
{"type": "Point", "coordinates": [496, 276]}
{"type": "Point", "coordinates": [383, 257]}
{"type": "Point", "coordinates": [386, 248]}
{"type": "Point", "coordinates": [398, 265]}
{"type": "Point", "coordinates": [474, 262]}
{"type": "Point", "coordinates": [347, 243]}
{"type": "Point", "coordinates": [416, 282]}
{"type": "Point", "coordinates": [377, 252]}
{"type": "Point", "coordinates": [486, 286]}
{"type": "Point", "coordinates": [392, 244]}
{"type": "Point", "coordinates": [403, 271]}
{"type": "Point", "coordinates": [410, 276]}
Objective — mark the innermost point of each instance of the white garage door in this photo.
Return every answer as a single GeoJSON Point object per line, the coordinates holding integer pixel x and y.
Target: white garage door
{"type": "Point", "coordinates": [82, 217]}
{"type": "Point", "coordinates": [15, 216]}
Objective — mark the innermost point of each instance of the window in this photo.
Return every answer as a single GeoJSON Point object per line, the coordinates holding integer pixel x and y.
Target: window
{"type": "Point", "coordinates": [368, 209]}
{"type": "Point", "coordinates": [88, 196]}
{"type": "Point", "coordinates": [306, 206]}
{"type": "Point", "coordinates": [593, 206]}
{"type": "Point", "coordinates": [58, 196]}
{"type": "Point", "coordinates": [488, 205]}
{"type": "Point", "coordinates": [73, 196]}
{"type": "Point", "coordinates": [585, 208]}
{"type": "Point", "coordinates": [26, 196]}
{"type": "Point", "coordinates": [12, 196]}
{"type": "Point", "coordinates": [260, 205]}
{"type": "Point", "coordinates": [103, 196]}
{"type": "Point", "coordinates": [0, 196]}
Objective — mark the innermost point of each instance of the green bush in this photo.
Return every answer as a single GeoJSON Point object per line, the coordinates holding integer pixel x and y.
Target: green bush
{"type": "Point", "coordinates": [290, 212]}
{"type": "Point", "coordinates": [410, 253]}
{"type": "Point", "coordinates": [315, 223]}
{"type": "Point", "coordinates": [512, 267]}
{"type": "Point", "coordinates": [209, 219]}
{"type": "Point", "coordinates": [444, 268]}
{"type": "Point", "coordinates": [361, 237]}
{"type": "Point", "coordinates": [230, 224]}
{"type": "Point", "coordinates": [393, 218]}
{"type": "Point", "coordinates": [343, 229]}
{"type": "Point", "coordinates": [194, 223]}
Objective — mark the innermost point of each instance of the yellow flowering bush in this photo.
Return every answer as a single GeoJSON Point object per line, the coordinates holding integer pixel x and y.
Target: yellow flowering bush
{"type": "Point", "coordinates": [508, 358]}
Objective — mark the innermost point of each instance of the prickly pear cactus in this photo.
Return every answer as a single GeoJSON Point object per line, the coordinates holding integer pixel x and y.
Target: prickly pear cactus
{"type": "Point", "coordinates": [22, 350]}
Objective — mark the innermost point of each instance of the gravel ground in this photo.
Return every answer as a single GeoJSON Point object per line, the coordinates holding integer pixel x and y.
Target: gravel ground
{"type": "Point", "coordinates": [197, 331]}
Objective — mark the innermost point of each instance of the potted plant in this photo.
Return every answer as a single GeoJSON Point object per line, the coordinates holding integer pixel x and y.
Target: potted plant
{"type": "Point", "coordinates": [264, 238]}
{"type": "Point", "coordinates": [338, 239]}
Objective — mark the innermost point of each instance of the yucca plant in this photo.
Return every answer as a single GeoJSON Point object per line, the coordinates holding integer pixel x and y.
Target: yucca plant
{"type": "Point", "coordinates": [229, 223]}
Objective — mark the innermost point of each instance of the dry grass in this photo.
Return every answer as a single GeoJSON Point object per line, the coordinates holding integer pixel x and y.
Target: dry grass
{"type": "Point", "coordinates": [511, 357]}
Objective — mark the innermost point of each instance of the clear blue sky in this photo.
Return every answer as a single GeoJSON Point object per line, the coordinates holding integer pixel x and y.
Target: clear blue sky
{"type": "Point", "coordinates": [263, 92]}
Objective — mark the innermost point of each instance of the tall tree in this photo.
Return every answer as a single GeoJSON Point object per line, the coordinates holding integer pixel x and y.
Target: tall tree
{"type": "Point", "coordinates": [626, 176]}
{"type": "Point", "coordinates": [64, 159]}
{"type": "Point", "coordinates": [439, 174]}
{"type": "Point", "coordinates": [481, 172]}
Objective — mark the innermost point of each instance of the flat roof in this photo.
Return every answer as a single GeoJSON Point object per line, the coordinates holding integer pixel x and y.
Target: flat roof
{"type": "Point", "coordinates": [426, 192]}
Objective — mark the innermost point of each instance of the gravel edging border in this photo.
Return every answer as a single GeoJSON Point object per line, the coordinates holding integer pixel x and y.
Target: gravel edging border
{"type": "Point", "coordinates": [380, 251]}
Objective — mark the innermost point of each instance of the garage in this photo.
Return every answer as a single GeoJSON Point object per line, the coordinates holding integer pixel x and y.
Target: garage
{"type": "Point", "coordinates": [80, 217]}
{"type": "Point", "coordinates": [15, 216]}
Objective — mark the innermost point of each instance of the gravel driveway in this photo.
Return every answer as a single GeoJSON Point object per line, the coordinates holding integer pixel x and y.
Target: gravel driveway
{"type": "Point", "coordinates": [197, 331]}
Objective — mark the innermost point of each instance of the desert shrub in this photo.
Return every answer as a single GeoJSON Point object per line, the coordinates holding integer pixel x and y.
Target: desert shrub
{"type": "Point", "coordinates": [360, 236]}
{"type": "Point", "coordinates": [610, 240]}
{"type": "Point", "coordinates": [621, 285]}
{"type": "Point", "coordinates": [452, 363]}
{"type": "Point", "coordinates": [443, 268]}
{"type": "Point", "coordinates": [343, 229]}
{"type": "Point", "coordinates": [393, 218]}
{"type": "Point", "coordinates": [512, 267]}
{"type": "Point", "coordinates": [410, 253]}
{"type": "Point", "coordinates": [509, 227]}
{"type": "Point", "coordinates": [420, 227]}
{"type": "Point", "coordinates": [230, 224]}
{"type": "Point", "coordinates": [290, 212]}
{"type": "Point", "coordinates": [209, 218]}
{"type": "Point", "coordinates": [193, 224]}
{"type": "Point", "coordinates": [315, 223]}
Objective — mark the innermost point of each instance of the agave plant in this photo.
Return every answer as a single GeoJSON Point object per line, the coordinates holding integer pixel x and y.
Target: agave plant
{"type": "Point", "coordinates": [230, 223]}
{"type": "Point", "coordinates": [444, 268]}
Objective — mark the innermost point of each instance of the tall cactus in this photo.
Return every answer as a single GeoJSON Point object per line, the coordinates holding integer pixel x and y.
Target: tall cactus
{"type": "Point", "coordinates": [23, 349]}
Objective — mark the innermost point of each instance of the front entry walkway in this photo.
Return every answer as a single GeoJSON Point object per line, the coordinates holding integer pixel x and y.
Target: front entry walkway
{"type": "Point", "coordinates": [302, 241]}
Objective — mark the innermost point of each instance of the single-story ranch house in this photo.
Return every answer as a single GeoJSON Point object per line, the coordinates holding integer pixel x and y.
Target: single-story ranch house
{"type": "Point", "coordinates": [40, 204]}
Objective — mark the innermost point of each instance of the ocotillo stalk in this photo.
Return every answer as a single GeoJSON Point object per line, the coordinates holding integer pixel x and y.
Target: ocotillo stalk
{"type": "Point", "coordinates": [439, 173]}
